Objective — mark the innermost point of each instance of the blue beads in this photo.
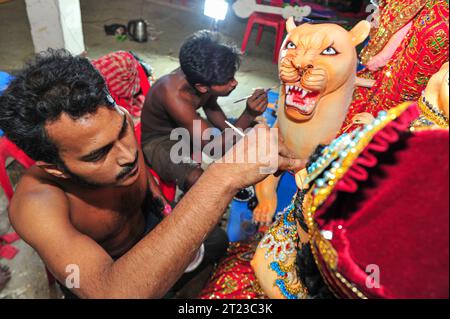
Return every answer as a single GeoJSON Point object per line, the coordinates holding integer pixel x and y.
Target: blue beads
{"type": "Point", "coordinates": [320, 182]}
{"type": "Point", "coordinates": [276, 267]}
{"type": "Point", "coordinates": [280, 283]}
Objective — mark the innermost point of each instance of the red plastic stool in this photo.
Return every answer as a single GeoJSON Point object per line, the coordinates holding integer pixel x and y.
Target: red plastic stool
{"type": "Point", "coordinates": [270, 20]}
{"type": "Point", "coordinates": [9, 149]}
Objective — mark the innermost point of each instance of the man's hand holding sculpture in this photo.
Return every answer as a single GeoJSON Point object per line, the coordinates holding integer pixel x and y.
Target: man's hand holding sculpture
{"type": "Point", "coordinates": [257, 155]}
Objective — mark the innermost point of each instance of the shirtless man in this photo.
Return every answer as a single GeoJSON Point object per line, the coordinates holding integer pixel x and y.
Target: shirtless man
{"type": "Point", "coordinates": [85, 202]}
{"type": "Point", "coordinates": [207, 70]}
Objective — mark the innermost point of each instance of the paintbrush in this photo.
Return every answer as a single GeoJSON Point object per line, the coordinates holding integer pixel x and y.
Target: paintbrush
{"type": "Point", "coordinates": [266, 90]}
{"type": "Point", "coordinates": [234, 128]}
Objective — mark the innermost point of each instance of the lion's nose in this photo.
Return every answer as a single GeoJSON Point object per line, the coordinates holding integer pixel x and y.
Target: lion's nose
{"type": "Point", "coordinates": [306, 68]}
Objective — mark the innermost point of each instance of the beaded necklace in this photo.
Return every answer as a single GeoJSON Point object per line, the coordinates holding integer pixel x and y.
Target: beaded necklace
{"type": "Point", "coordinates": [432, 113]}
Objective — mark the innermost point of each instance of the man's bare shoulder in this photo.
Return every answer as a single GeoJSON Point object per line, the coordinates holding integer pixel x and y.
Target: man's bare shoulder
{"type": "Point", "coordinates": [168, 83]}
{"type": "Point", "coordinates": [37, 197]}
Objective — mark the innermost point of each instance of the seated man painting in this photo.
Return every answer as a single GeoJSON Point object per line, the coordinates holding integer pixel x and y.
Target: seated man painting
{"type": "Point", "coordinates": [86, 206]}
{"type": "Point", "coordinates": [207, 71]}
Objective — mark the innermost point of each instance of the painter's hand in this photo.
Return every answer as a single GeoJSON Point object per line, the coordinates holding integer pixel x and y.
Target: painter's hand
{"type": "Point", "coordinates": [257, 103]}
{"type": "Point", "coordinates": [256, 156]}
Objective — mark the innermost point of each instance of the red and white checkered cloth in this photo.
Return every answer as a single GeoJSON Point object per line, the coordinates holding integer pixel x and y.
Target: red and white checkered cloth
{"type": "Point", "coordinates": [125, 78]}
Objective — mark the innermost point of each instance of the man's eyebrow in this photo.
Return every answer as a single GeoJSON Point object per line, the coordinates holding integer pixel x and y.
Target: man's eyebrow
{"type": "Point", "coordinates": [107, 147]}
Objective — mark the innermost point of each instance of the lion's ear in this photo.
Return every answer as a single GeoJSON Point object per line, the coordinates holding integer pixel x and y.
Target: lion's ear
{"type": "Point", "coordinates": [290, 24]}
{"type": "Point", "coordinates": [360, 32]}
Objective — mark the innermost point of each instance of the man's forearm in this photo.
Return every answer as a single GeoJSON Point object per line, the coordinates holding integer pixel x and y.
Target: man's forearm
{"type": "Point", "coordinates": [216, 118]}
{"type": "Point", "coordinates": [245, 120]}
{"type": "Point", "coordinates": [151, 268]}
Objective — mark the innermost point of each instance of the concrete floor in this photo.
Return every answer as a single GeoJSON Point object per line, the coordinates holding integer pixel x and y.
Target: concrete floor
{"type": "Point", "coordinates": [169, 24]}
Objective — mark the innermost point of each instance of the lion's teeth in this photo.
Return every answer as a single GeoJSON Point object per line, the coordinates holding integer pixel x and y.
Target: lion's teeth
{"type": "Point", "coordinates": [304, 94]}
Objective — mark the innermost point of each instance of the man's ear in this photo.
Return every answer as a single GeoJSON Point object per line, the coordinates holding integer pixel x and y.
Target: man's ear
{"type": "Point", "coordinates": [290, 24]}
{"type": "Point", "coordinates": [52, 169]}
{"type": "Point", "coordinates": [360, 32]}
{"type": "Point", "coordinates": [202, 88]}
{"type": "Point", "coordinates": [125, 111]}
{"type": "Point", "coordinates": [122, 109]}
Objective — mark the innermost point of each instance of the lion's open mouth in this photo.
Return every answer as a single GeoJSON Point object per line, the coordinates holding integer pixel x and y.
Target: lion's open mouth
{"type": "Point", "coordinates": [302, 100]}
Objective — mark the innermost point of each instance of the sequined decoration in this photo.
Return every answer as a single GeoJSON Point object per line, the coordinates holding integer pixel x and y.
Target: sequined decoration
{"type": "Point", "coordinates": [280, 242]}
{"type": "Point", "coordinates": [432, 113]}
{"type": "Point", "coordinates": [421, 54]}
{"type": "Point", "coordinates": [324, 174]}
{"type": "Point", "coordinates": [281, 238]}
{"type": "Point", "coordinates": [233, 277]}
{"type": "Point", "coordinates": [395, 15]}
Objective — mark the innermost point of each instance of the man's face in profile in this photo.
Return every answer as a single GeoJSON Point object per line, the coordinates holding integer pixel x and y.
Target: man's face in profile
{"type": "Point", "coordinates": [98, 149]}
{"type": "Point", "coordinates": [224, 89]}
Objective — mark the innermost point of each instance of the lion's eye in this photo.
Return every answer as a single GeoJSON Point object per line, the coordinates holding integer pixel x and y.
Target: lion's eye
{"type": "Point", "coordinates": [329, 51]}
{"type": "Point", "coordinates": [291, 45]}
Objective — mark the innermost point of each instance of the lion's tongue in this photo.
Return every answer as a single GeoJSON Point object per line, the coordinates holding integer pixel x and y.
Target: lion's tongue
{"type": "Point", "coordinates": [297, 98]}
{"type": "Point", "coordinates": [310, 98]}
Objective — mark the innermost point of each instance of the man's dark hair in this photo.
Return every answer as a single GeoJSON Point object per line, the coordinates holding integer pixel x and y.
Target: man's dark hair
{"type": "Point", "coordinates": [207, 59]}
{"type": "Point", "coordinates": [53, 83]}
